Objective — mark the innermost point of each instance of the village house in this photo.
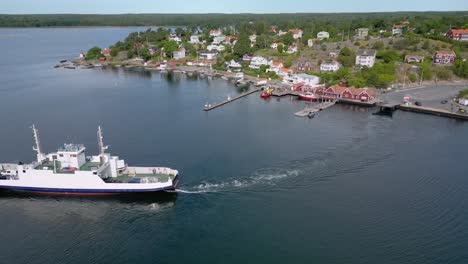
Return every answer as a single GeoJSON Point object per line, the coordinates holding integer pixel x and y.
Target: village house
{"type": "Point", "coordinates": [257, 61]}
{"type": "Point", "coordinates": [458, 34]}
{"type": "Point", "coordinates": [281, 33]}
{"type": "Point", "coordinates": [218, 39]}
{"type": "Point", "coordinates": [305, 79]}
{"type": "Point", "coordinates": [152, 50]}
{"type": "Point", "coordinates": [230, 40]}
{"type": "Point", "coordinates": [208, 55]}
{"type": "Point", "coordinates": [292, 49]}
{"type": "Point", "coordinates": [296, 33]}
{"type": "Point", "coordinates": [348, 93]}
{"type": "Point", "coordinates": [275, 66]}
{"type": "Point", "coordinates": [310, 42]}
{"type": "Point", "coordinates": [397, 30]}
{"type": "Point", "coordinates": [366, 57]}
{"type": "Point", "coordinates": [276, 44]}
{"type": "Point", "coordinates": [247, 57]}
{"type": "Point", "coordinates": [444, 57]}
{"type": "Point", "coordinates": [332, 55]}
{"type": "Point", "coordinates": [215, 33]}
{"type": "Point", "coordinates": [253, 38]}
{"type": "Point", "coordinates": [179, 54]}
{"type": "Point", "coordinates": [329, 66]}
{"type": "Point", "coordinates": [234, 65]}
{"type": "Point", "coordinates": [194, 39]}
{"type": "Point", "coordinates": [215, 47]}
{"type": "Point", "coordinates": [362, 32]}
{"type": "Point", "coordinates": [304, 66]}
{"type": "Point", "coordinates": [105, 52]}
{"type": "Point", "coordinates": [273, 29]}
{"type": "Point", "coordinates": [323, 35]}
{"type": "Point", "coordinates": [285, 73]}
{"type": "Point", "coordinates": [414, 58]}
{"type": "Point", "coordinates": [174, 37]}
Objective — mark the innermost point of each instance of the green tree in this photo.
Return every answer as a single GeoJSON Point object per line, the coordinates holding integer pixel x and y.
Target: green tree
{"type": "Point", "coordinates": [426, 71]}
{"type": "Point", "coordinates": [93, 53]}
{"type": "Point", "coordinates": [263, 41]}
{"type": "Point", "coordinates": [190, 49]}
{"type": "Point", "coordinates": [347, 57]}
{"type": "Point", "coordinates": [243, 45]}
{"type": "Point", "coordinates": [443, 73]}
{"type": "Point", "coordinates": [287, 63]}
{"type": "Point", "coordinates": [281, 48]}
{"type": "Point", "coordinates": [170, 47]}
{"type": "Point", "coordinates": [287, 38]}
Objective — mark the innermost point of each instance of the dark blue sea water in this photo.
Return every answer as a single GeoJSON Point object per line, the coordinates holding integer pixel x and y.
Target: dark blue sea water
{"type": "Point", "coordinates": [259, 185]}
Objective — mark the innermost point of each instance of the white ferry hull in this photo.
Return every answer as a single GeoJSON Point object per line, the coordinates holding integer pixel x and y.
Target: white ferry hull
{"type": "Point", "coordinates": [106, 189]}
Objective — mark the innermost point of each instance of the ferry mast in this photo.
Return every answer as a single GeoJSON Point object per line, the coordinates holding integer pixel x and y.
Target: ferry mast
{"type": "Point", "coordinates": [40, 156]}
{"type": "Point", "coordinates": [102, 148]}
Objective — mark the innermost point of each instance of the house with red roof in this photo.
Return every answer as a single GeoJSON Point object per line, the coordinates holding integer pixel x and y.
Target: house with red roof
{"type": "Point", "coordinates": [348, 93]}
{"type": "Point", "coordinates": [444, 57]}
{"type": "Point", "coordinates": [296, 33]}
{"type": "Point", "coordinates": [458, 34]}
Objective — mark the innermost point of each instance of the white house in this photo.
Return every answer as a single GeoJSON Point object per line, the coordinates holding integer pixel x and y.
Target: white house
{"type": "Point", "coordinates": [306, 79]}
{"type": "Point", "coordinates": [215, 47]}
{"type": "Point", "coordinates": [366, 57]}
{"type": "Point", "coordinates": [179, 54]}
{"type": "Point", "coordinates": [362, 32]}
{"type": "Point", "coordinates": [219, 39]}
{"type": "Point", "coordinates": [292, 49]}
{"type": "Point", "coordinates": [215, 32]}
{"type": "Point", "coordinates": [257, 61]}
{"type": "Point", "coordinates": [285, 73]}
{"type": "Point", "coordinates": [194, 39]}
{"type": "Point", "coordinates": [281, 33]}
{"type": "Point", "coordinates": [276, 44]}
{"type": "Point", "coordinates": [175, 38]}
{"type": "Point", "coordinates": [310, 42]}
{"type": "Point", "coordinates": [296, 33]}
{"type": "Point", "coordinates": [329, 66]}
{"type": "Point", "coordinates": [234, 65]}
{"type": "Point", "coordinates": [253, 38]}
{"type": "Point", "coordinates": [275, 66]}
{"type": "Point", "coordinates": [323, 35]}
{"type": "Point", "coordinates": [209, 55]}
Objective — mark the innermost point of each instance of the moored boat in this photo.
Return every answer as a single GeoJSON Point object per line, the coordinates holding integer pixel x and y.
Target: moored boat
{"type": "Point", "coordinates": [308, 97]}
{"type": "Point", "coordinates": [266, 93]}
{"type": "Point", "coordinates": [70, 172]}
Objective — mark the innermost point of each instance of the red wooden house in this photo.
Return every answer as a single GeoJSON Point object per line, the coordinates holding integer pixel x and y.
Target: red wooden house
{"type": "Point", "coordinates": [349, 93]}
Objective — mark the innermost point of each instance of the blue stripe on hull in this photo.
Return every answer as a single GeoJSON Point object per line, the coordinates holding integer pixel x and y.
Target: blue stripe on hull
{"type": "Point", "coordinates": [81, 191]}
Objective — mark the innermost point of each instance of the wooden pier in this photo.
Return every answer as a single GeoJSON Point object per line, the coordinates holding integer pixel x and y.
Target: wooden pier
{"type": "Point", "coordinates": [315, 108]}
{"type": "Point", "coordinates": [211, 107]}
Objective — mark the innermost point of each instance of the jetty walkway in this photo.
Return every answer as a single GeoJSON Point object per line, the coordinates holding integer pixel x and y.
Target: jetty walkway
{"type": "Point", "coordinates": [315, 108]}
{"type": "Point", "coordinates": [211, 107]}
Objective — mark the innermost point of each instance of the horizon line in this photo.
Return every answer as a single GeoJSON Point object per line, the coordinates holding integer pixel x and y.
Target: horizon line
{"type": "Point", "coordinates": [240, 13]}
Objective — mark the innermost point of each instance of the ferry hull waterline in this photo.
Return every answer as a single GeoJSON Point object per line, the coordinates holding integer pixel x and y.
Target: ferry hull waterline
{"type": "Point", "coordinates": [70, 172]}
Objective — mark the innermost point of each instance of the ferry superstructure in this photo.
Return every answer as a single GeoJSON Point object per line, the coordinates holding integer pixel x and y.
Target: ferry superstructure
{"type": "Point", "coordinates": [69, 171]}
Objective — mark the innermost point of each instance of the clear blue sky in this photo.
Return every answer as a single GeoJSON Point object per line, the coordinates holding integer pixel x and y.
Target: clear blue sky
{"type": "Point", "coordinates": [223, 6]}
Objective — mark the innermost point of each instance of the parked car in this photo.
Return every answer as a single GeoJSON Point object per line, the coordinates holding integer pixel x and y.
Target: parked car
{"type": "Point", "coordinates": [444, 102]}
{"type": "Point", "coordinates": [417, 103]}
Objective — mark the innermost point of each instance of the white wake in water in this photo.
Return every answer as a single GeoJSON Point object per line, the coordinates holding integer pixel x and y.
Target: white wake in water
{"type": "Point", "coordinates": [270, 177]}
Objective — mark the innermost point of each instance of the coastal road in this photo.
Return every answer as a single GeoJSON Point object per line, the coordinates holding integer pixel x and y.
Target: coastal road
{"type": "Point", "coordinates": [430, 96]}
